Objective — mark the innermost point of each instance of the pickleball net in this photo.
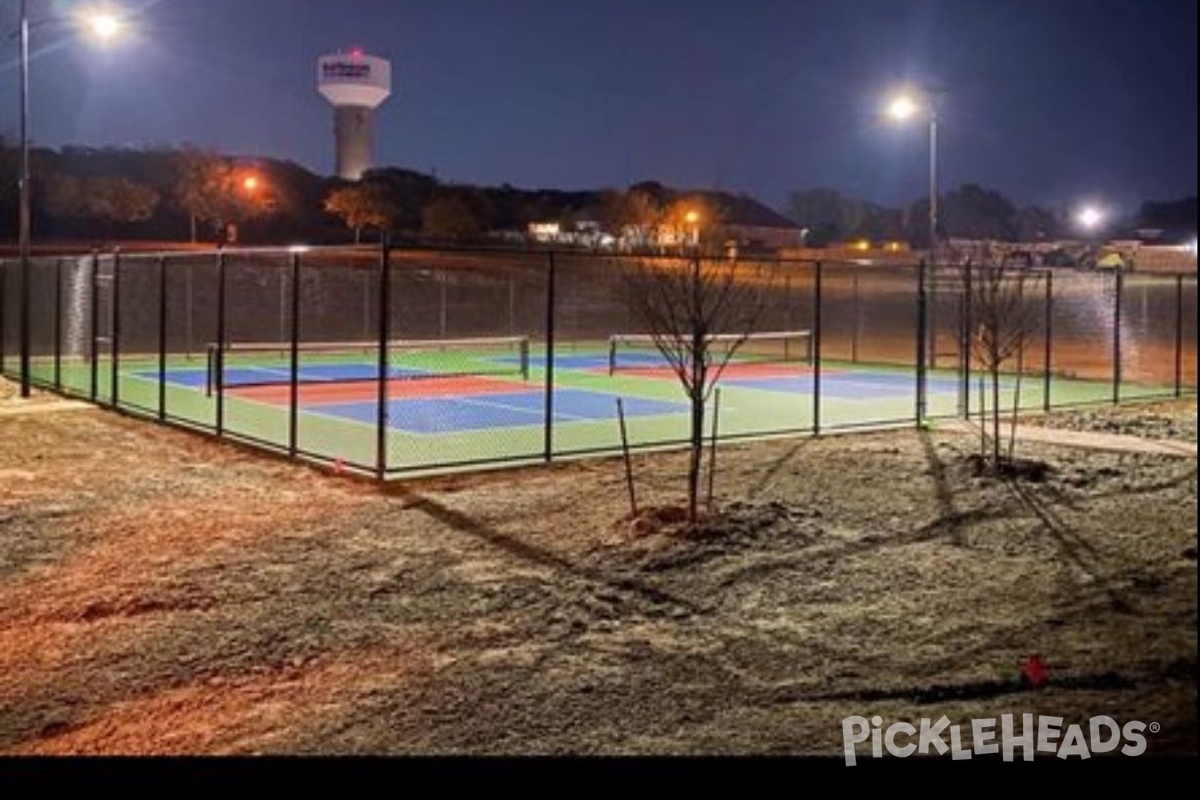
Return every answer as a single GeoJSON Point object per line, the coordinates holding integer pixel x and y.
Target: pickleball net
{"type": "Point", "coordinates": [239, 364]}
{"type": "Point", "coordinates": [629, 352]}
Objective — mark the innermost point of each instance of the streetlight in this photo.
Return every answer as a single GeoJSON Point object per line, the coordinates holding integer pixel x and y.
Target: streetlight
{"type": "Point", "coordinates": [1090, 217]}
{"type": "Point", "coordinates": [103, 26]}
{"type": "Point", "coordinates": [904, 107]}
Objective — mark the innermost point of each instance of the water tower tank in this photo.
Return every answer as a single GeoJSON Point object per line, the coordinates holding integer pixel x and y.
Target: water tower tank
{"type": "Point", "coordinates": [356, 84]}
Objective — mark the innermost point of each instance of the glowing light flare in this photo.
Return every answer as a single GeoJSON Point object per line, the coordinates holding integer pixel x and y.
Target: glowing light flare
{"type": "Point", "coordinates": [692, 217]}
{"type": "Point", "coordinates": [250, 183]}
{"type": "Point", "coordinates": [902, 108]}
{"type": "Point", "coordinates": [104, 26]}
{"type": "Point", "coordinates": [1090, 217]}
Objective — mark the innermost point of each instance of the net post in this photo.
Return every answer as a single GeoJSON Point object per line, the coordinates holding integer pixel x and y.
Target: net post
{"type": "Point", "coordinates": [294, 363]}
{"type": "Point", "coordinates": [115, 330]}
{"type": "Point", "coordinates": [58, 303]}
{"type": "Point", "coordinates": [548, 430]}
{"type": "Point", "coordinates": [94, 367]}
{"type": "Point", "coordinates": [524, 353]}
{"type": "Point", "coordinates": [1179, 335]}
{"type": "Point", "coordinates": [815, 343]}
{"type": "Point", "coordinates": [385, 307]}
{"type": "Point", "coordinates": [1116, 354]}
{"type": "Point", "coordinates": [219, 353]}
{"type": "Point", "coordinates": [162, 338]}
{"type": "Point", "coordinates": [612, 355]}
{"type": "Point", "coordinates": [1048, 355]}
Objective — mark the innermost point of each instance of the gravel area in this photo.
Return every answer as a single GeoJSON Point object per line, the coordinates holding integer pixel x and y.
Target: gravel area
{"type": "Point", "coordinates": [164, 593]}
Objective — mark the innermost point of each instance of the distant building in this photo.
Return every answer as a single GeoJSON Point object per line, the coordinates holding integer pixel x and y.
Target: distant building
{"type": "Point", "coordinates": [753, 225]}
{"type": "Point", "coordinates": [586, 234]}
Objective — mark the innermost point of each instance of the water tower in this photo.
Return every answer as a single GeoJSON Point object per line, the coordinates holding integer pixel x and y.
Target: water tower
{"type": "Point", "coordinates": [356, 84]}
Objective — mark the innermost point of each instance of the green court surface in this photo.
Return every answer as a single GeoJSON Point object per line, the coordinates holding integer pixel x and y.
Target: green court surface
{"type": "Point", "coordinates": [449, 410]}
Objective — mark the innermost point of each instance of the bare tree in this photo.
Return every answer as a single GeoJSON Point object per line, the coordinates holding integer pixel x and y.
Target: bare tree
{"type": "Point", "coordinates": [685, 306]}
{"type": "Point", "coordinates": [1003, 315]}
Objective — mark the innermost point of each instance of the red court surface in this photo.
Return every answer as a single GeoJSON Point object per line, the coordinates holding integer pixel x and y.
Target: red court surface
{"type": "Point", "coordinates": [368, 391]}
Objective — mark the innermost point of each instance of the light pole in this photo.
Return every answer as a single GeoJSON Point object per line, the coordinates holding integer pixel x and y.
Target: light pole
{"type": "Point", "coordinates": [23, 225]}
{"type": "Point", "coordinates": [1091, 219]}
{"type": "Point", "coordinates": [903, 108]}
{"type": "Point", "coordinates": [103, 26]}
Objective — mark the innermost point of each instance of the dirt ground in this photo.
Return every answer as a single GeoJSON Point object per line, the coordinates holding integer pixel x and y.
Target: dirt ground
{"type": "Point", "coordinates": [164, 593]}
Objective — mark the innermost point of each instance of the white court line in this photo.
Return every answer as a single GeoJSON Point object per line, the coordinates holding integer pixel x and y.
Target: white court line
{"type": "Point", "coordinates": [522, 409]}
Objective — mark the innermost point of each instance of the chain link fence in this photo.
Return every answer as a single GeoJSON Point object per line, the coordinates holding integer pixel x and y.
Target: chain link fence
{"type": "Point", "coordinates": [399, 361]}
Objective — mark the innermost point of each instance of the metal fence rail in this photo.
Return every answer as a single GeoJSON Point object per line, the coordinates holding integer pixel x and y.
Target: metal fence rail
{"type": "Point", "coordinates": [143, 333]}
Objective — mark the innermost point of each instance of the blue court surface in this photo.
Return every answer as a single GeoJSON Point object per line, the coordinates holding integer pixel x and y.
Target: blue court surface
{"type": "Point", "coordinates": [433, 415]}
{"type": "Point", "coordinates": [197, 377]}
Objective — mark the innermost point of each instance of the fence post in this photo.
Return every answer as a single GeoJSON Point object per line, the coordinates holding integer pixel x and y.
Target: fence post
{"type": "Point", "coordinates": [789, 318]}
{"type": "Point", "coordinates": [1117, 301]}
{"type": "Point", "coordinates": [857, 317]}
{"type": "Point", "coordinates": [3, 310]}
{"type": "Point", "coordinates": [816, 345]}
{"type": "Point", "coordinates": [964, 340]}
{"type": "Point", "coordinates": [442, 318]}
{"type": "Point", "coordinates": [548, 445]}
{"type": "Point", "coordinates": [219, 355]}
{"type": "Point", "coordinates": [94, 377]}
{"type": "Point", "coordinates": [115, 330]}
{"type": "Point", "coordinates": [189, 311]}
{"type": "Point", "coordinates": [24, 322]}
{"type": "Point", "coordinates": [921, 334]}
{"type": "Point", "coordinates": [385, 308]}
{"type": "Point", "coordinates": [294, 361]}
{"type": "Point", "coordinates": [1179, 335]}
{"type": "Point", "coordinates": [162, 338]}
{"type": "Point", "coordinates": [58, 324]}
{"type": "Point", "coordinates": [1049, 343]}
{"type": "Point", "coordinates": [512, 305]}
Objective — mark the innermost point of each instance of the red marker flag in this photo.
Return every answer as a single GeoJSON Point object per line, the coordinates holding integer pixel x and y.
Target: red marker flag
{"type": "Point", "coordinates": [1033, 670]}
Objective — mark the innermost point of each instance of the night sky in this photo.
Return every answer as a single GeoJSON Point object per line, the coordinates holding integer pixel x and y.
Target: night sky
{"type": "Point", "coordinates": [1049, 101]}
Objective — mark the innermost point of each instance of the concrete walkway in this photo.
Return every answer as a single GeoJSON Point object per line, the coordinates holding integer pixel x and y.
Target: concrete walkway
{"type": "Point", "coordinates": [25, 407]}
{"type": "Point", "coordinates": [1114, 442]}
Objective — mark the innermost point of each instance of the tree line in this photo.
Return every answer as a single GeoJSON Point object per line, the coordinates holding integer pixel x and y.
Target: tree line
{"type": "Point", "coordinates": [188, 193]}
{"type": "Point", "coordinates": [969, 211]}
